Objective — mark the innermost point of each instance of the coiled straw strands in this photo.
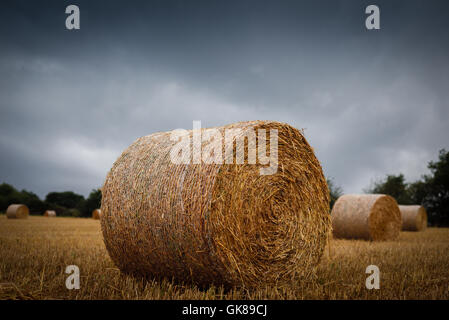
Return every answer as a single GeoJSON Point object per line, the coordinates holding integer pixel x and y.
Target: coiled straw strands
{"type": "Point", "coordinates": [50, 213]}
{"type": "Point", "coordinates": [366, 216]}
{"type": "Point", "coordinates": [17, 211]}
{"type": "Point", "coordinates": [212, 223]}
{"type": "Point", "coordinates": [414, 218]}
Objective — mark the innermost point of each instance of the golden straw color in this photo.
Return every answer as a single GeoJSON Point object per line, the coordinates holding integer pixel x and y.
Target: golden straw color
{"type": "Point", "coordinates": [17, 211]}
{"type": "Point", "coordinates": [366, 216]}
{"type": "Point", "coordinates": [96, 214]}
{"type": "Point", "coordinates": [414, 218]}
{"type": "Point", "coordinates": [50, 213]}
{"type": "Point", "coordinates": [222, 224]}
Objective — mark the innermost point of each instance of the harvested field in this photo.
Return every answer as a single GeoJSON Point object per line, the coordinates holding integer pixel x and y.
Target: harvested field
{"type": "Point", "coordinates": [35, 252]}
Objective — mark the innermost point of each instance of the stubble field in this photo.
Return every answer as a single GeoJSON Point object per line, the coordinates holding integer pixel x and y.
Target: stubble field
{"type": "Point", "coordinates": [35, 252]}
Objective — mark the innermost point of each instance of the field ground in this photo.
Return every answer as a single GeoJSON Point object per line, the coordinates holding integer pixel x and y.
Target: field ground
{"type": "Point", "coordinates": [35, 252]}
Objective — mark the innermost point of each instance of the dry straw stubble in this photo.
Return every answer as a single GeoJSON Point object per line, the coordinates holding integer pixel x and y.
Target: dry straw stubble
{"type": "Point", "coordinates": [221, 224]}
{"type": "Point", "coordinates": [414, 218]}
{"type": "Point", "coordinates": [366, 216]}
{"type": "Point", "coordinates": [17, 211]}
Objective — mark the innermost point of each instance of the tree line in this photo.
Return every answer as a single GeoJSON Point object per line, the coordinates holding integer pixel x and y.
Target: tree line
{"type": "Point", "coordinates": [65, 203]}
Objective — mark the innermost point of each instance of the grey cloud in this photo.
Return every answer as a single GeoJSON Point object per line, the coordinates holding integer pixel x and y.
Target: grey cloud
{"type": "Point", "coordinates": [371, 103]}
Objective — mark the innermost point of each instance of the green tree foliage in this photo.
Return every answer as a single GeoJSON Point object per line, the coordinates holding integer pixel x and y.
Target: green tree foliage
{"type": "Point", "coordinates": [434, 190]}
{"type": "Point", "coordinates": [33, 202]}
{"type": "Point", "coordinates": [431, 191]}
{"type": "Point", "coordinates": [6, 189]}
{"type": "Point", "coordinates": [394, 186]}
{"type": "Point", "coordinates": [10, 195]}
{"type": "Point", "coordinates": [418, 190]}
{"type": "Point", "coordinates": [72, 213]}
{"type": "Point", "coordinates": [67, 199]}
{"type": "Point", "coordinates": [92, 202]}
{"type": "Point", "coordinates": [335, 191]}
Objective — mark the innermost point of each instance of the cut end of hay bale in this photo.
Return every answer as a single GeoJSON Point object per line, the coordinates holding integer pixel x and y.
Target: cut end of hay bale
{"type": "Point", "coordinates": [217, 223]}
{"type": "Point", "coordinates": [366, 216]}
{"type": "Point", "coordinates": [414, 218]}
{"type": "Point", "coordinates": [96, 214]}
{"type": "Point", "coordinates": [17, 211]}
{"type": "Point", "coordinates": [50, 213]}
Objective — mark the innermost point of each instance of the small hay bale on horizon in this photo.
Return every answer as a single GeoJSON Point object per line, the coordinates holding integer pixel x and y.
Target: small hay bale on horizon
{"type": "Point", "coordinates": [414, 217]}
{"type": "Point", "coordinates": [366, 216]}
{"type": "Point", "coordinates": [17, 211]}
{"type": "Point", "coordinates": [96, 214]}
{"type": "Point", "coordinates": [217, 224]}
{"type": "Point", "coordinates": [50, 213]}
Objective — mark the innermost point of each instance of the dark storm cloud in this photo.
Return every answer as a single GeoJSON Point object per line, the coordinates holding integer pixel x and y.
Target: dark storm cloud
{"type": "Point", "coordinates": [371, 102]}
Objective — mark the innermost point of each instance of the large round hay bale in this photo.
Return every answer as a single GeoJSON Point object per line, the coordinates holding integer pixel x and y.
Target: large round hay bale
{"type": "Point", "coordinates": [96, 214]}
{"type": "Point", "coordinates": [366, 216]}
{"type": "Point", "coordinates": [414, 218]}
{"type": "Point", "coordinates": [17, 211]}
{"type": "Point", "coordinates": [213, 223]}
{"type": "Point", "coordinates": [50, 213]}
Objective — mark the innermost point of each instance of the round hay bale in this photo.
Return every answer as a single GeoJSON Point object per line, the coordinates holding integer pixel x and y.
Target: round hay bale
{"type": "Point", "coordinates": [414, 218]}
{"type": "Point", "coordinates": [96, 214]}
{"type": "Point", "coordinates": [211, 223]}
{"type": "Point", "coordinates": [50, 213]}
{"type": "Point", "coordinates": [17, 211]}
{"type": "Point", "coordinates": [366, 216]}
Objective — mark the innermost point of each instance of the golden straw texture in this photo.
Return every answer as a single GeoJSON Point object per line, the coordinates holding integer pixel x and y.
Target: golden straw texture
{"type": "Point", "coordinates": [17, 211]}
{"type": "Point", "coordinates": [217, 223]}
{"type": "Point", "coordinates": [50, 213]}
{"type": "Point", "coordinates": [96, 214]}
{"type": "Point", "coordinates": [366, 216]}
{"type": "Point", "coordinates": [414, 218]}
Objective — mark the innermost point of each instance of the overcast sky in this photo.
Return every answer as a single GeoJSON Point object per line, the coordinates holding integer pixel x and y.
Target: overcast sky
{"type": "Point", "coordinates": [371, 102]}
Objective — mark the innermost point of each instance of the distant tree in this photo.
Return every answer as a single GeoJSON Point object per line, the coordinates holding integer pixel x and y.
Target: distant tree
{"type": "Point", "coordinates": [32, 201]}
{"type": "Point", "coordinates": [431, 191]}
{"type": "Point", "coordinates": [93, 202]}
{"type": "Point", "coordinates": [7, 195]}
{"type": "Point", "coordinates": [10, 195]}
{"type": "Point", "coordinates": [334, 191]}
{"type": "Point", "coordinates": [71, 213]}
{"type": "Point", "coordinates": [60, 210]}
{"type": "Point", "coordinates": [434, 190]}
{"type": "Point", "coordinates": [3, 203]}
{"type": "Point", "coordinates": [418, 190]}
{"type": "Point", "coordinates": [67, 199]}
{"type": "Point", "coordinates": [394, 186]}
{"type": "Point", "coordinates": [6, 189]}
